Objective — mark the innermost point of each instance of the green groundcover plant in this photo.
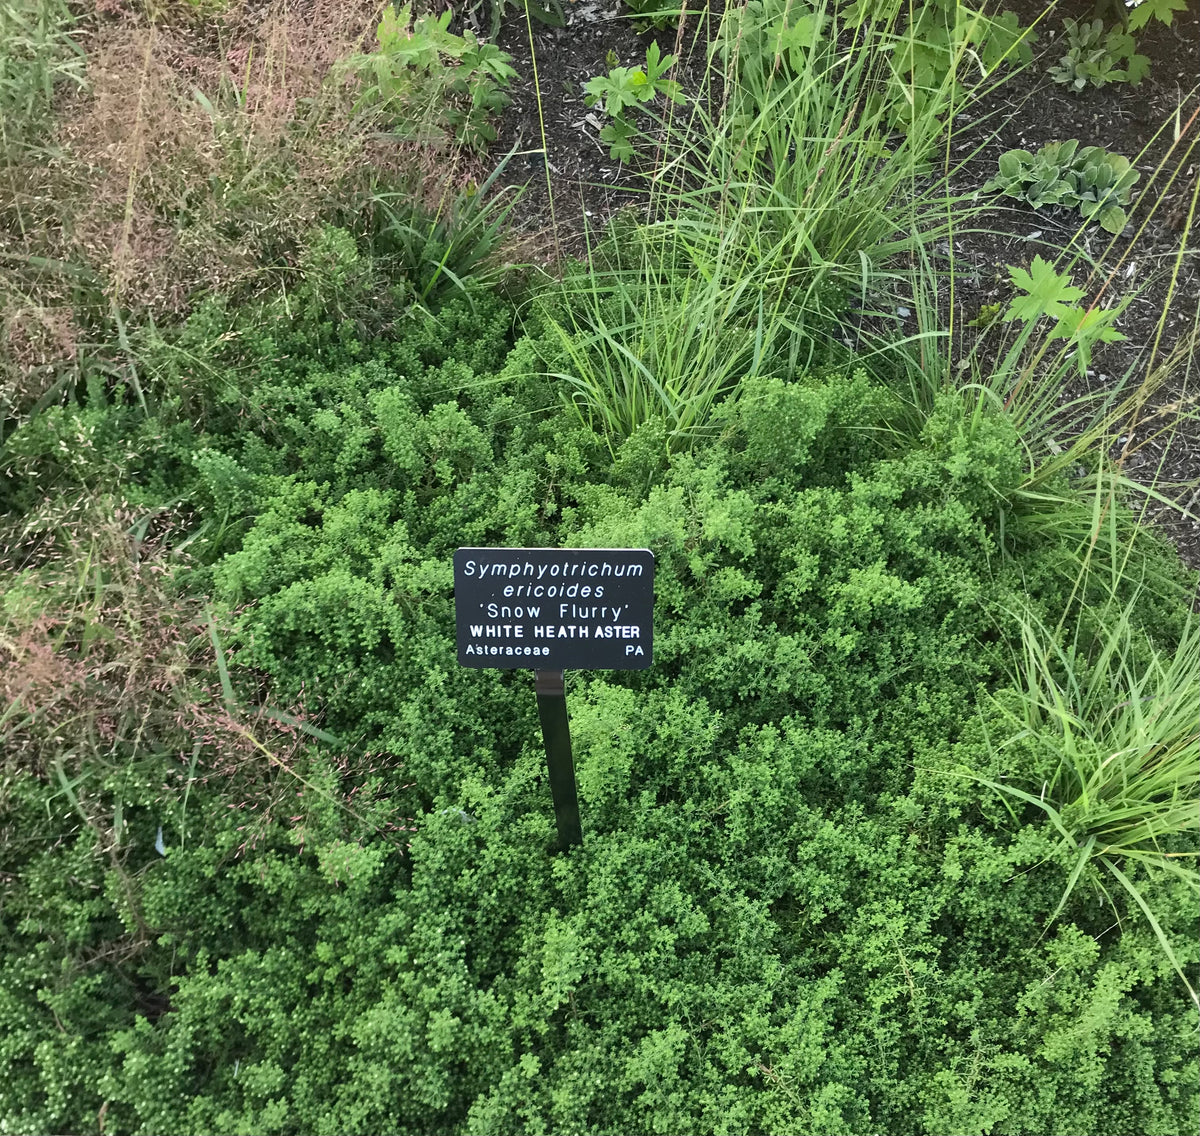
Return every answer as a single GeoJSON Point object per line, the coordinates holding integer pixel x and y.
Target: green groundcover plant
{"type": "Point", "coordinates": [791, 912]}
{"type": "Point", "coordinates": [898, 833]}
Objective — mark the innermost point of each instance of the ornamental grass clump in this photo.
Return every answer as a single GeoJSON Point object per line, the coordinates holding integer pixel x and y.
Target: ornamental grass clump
{"type": "Point", "coordinates": [1115, 722]}
{"type": "Point", "coordinates": [772, 200]}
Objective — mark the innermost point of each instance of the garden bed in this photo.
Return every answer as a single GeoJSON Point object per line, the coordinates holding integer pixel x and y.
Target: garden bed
{"type": "Point", "coordinates": [1026, 109]}
{"type": "Point", "coordinates": [898, 831]}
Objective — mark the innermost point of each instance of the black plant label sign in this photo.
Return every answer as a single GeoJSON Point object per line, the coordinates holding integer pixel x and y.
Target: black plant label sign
{"type": "Point", "coordinates": [554, 609]}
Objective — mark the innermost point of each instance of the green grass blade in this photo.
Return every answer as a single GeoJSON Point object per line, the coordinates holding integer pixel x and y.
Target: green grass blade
{"type": "Point", "coordinates": [1136, 894]}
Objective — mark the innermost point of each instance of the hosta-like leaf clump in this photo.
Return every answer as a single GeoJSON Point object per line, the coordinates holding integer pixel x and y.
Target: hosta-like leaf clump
{"type": "Point", "coordinates": [1093, 57]}
{"type": "Point", "coordinates": [1092, 180]}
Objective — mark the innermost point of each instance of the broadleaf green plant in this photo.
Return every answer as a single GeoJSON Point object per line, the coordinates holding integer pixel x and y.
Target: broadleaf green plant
{"type": "Point", "coordinates": [429, 83]}
{"type": "Point", "coordinates": [1048, 292]}
{"type": "Point", "coordinates": [626, 89]}
{"type": "Point", "coordinates": [1093, 56]}
{"type": "Point", "coordinates": [1161, 10]}
{"type": "Point", "coordinates": [1093, 180]}
{"type": "Point", "coordinates": [1102, 183]}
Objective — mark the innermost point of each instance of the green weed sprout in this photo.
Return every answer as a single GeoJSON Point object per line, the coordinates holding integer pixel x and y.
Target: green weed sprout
{"type": "Point", "coordinates": [1048, 292]}
{"type": "Point", "coordinates": [628, 88]}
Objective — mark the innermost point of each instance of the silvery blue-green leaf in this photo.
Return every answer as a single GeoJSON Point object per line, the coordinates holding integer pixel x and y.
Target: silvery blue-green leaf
{"type": "Point", "coordinates": [1012, 161]}
{"type": "Point", "coordinates": [1124, 185]}
{"type": "Point", "coordinates": [1113, 219]}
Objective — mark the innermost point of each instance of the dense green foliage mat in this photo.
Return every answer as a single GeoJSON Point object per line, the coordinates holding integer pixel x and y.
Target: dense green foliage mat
{"type": "Point", "coordinates": [790, 913]}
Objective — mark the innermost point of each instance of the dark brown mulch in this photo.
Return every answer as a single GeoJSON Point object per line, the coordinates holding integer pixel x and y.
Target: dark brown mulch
{"type": "Point", "coordinates": [1026, 111]}
{"type": "Point", "coordinates": [587, 186]}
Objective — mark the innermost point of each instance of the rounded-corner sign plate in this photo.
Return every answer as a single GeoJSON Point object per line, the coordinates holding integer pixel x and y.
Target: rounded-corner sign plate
{"type": "Point", "coordinates": [554, 609]}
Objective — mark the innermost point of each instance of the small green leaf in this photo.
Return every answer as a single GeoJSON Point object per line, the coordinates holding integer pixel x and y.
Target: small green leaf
{"type": "Point", "coordinates": [1012, 162]}
{"type": "Point", "coordinates": [653, 55]}
{"type": "Point", "coordinates": [1112, 219]}
{"type": "Point", "coordinates": [595, 89]}
{"type": "Point", "coordinates": [1161, 10]}
{"type": "Point", "coordinates": [1049, 292]}
{"type": "Point", "coordinates": [1137, 69]}
{"type": "Point", "coordinates": [618, 134]}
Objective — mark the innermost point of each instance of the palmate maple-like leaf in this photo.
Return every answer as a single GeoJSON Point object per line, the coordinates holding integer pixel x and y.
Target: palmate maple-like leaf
{"type": "Point", "coordinates": [1162, 10]}
{"type": "Point", "coordinates": [1086, 328]}
{"type": "Point", "coordinates": [618, 134]}
{"type": "Point", "coordinates": [1049, 292]}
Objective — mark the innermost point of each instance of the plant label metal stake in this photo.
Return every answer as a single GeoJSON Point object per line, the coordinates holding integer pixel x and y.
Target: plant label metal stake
{"type": "Point", "coordinates": [555, 609]}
